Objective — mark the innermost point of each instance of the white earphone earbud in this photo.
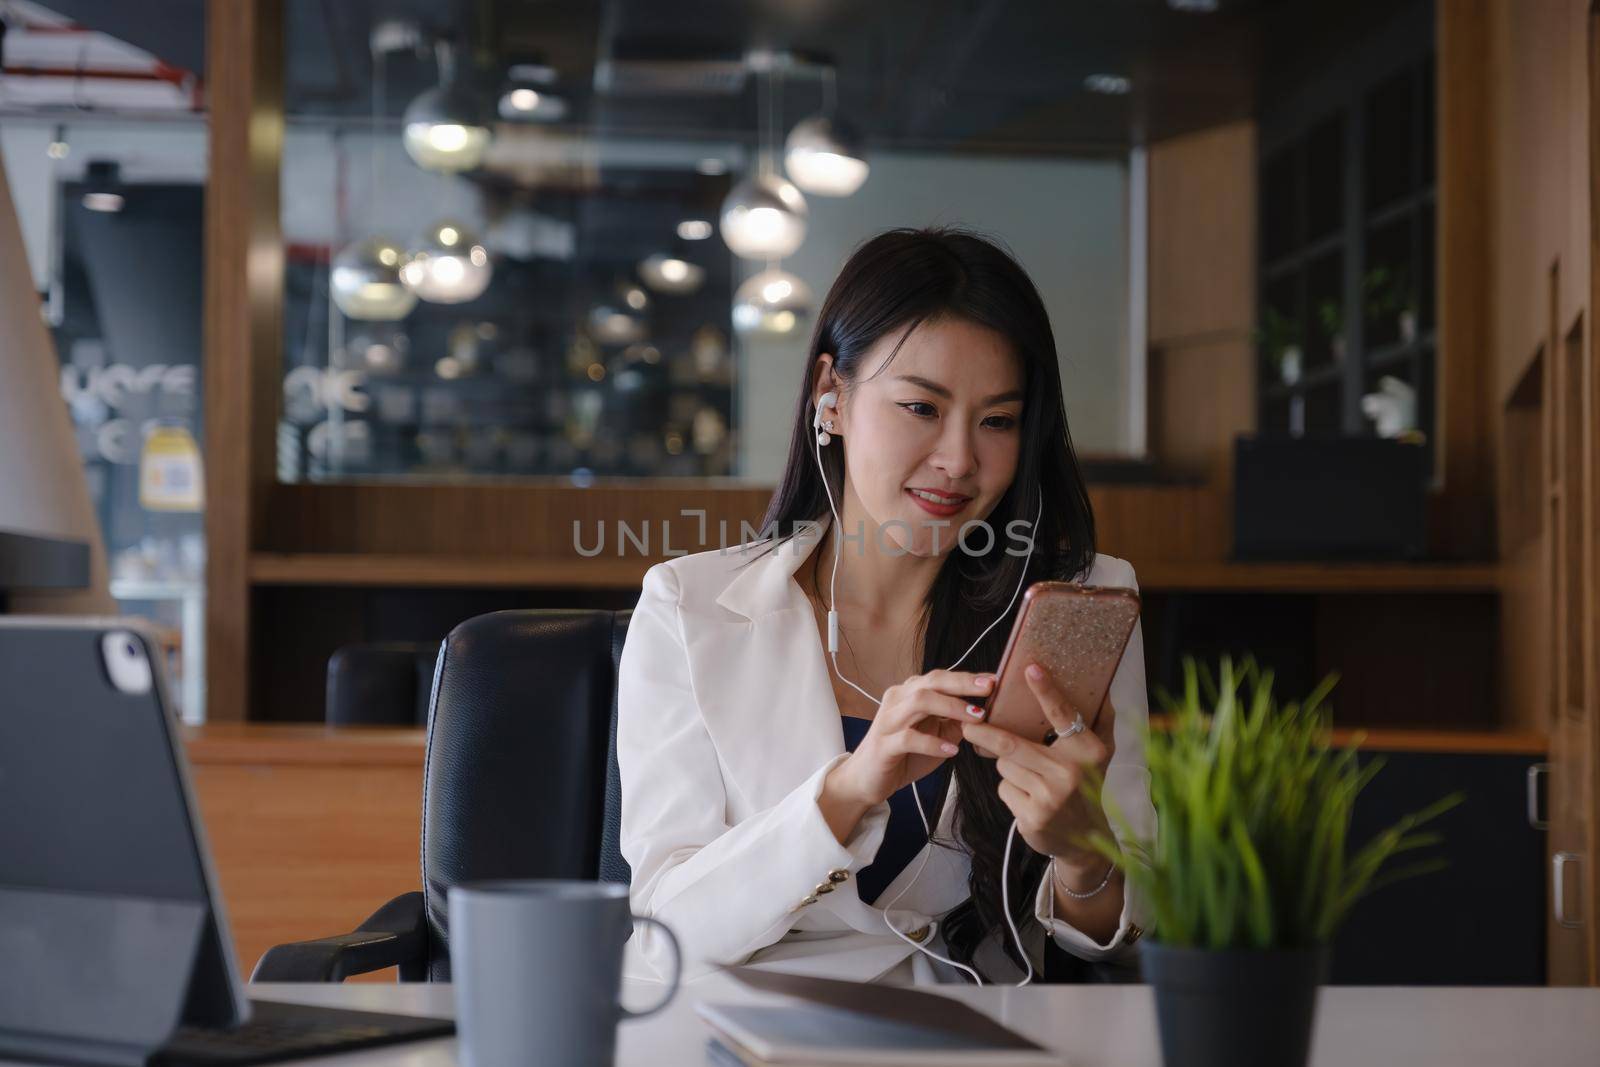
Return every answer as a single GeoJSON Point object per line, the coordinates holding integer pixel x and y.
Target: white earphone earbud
{"type": "Point", "coordinates": [829, 400]}
{"type": "Point", "coordinates": [824, 430]}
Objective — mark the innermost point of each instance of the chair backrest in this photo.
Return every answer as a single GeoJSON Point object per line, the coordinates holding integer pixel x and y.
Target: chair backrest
{"type": "Point", "coordinates": [520, 778]}
{"type": "Point", "coordinates": [383, 683]}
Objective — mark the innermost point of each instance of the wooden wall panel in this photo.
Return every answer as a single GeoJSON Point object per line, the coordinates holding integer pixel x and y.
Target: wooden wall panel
{"type": "Point", "coordinates": [1461, 516]}
{"type": "Point", "coordinates": [243, 322]}
{"type": "Point", "coordinates": [1147, 524]}
{"type": "Point", "coordinates": [1410, 659]}
{"type": "Point", "coordinates": [1524, 645]}
{"type": "Point", "coordinates": [494, 523]}
{"type": "Point", "coordinates": [1202, 301]}
{"type": "Point", "coordinates": [1202, 234]}
{"type": "Point", "coordinates": [526, 520]}
{"type": "Point", "coordinates": [1539, 204]}
{"type": "Point", "coordinates": [1202, 395]}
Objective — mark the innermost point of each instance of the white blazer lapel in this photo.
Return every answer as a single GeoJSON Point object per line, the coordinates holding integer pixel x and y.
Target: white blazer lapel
{"type": "Point", "coordinates": [761, 678]}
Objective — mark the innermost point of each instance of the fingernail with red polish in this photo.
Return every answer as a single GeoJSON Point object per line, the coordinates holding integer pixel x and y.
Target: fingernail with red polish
{"type": "Point", "coordinates": [975, 711]}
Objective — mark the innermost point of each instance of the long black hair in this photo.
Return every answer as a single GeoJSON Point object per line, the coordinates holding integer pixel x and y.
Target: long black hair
{"type": "Point", "coordinates": [892, 284]}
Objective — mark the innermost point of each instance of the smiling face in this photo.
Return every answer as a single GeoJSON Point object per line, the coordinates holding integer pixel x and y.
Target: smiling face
{"type": "Point", "coordinates": [931, 436]}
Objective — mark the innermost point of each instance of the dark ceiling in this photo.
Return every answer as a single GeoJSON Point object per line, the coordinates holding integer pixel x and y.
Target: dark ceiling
{"type": "Point", "coordinates": [963, 75]}
{"type": "Point", "coordinates": [966, 76]}
{"type": "Point", "coordinates": [171, 30]}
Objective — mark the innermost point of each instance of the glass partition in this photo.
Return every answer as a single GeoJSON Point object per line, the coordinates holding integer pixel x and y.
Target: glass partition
{"type": "Point", "coordinates": [582, 243]}
{"type": "Point", "coordinates": [110, 205]}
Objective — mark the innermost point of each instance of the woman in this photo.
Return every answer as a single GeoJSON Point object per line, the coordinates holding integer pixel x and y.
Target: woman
{"type": "Point", "coordinates": [768, 810]}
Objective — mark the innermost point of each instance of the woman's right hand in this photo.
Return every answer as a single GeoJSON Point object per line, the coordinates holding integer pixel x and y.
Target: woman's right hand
{"type": "Point", "coordinates": [918, 727]}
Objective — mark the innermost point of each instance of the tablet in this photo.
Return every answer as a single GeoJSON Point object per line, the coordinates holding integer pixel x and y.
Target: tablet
{"type": "Point", "coordinates": [116, 947]}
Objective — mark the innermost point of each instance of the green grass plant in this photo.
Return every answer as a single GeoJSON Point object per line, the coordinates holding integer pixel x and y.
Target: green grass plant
{"type": "Point", "coordinates": [1254, 804]}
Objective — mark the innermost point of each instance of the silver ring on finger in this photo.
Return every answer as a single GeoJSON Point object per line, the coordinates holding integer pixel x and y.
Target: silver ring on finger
{"type": "Point", "coordinates": [1078, 726]}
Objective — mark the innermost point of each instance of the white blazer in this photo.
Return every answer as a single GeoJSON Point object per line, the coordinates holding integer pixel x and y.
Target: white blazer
{"type": "Point", "coordinates": [727, 726]}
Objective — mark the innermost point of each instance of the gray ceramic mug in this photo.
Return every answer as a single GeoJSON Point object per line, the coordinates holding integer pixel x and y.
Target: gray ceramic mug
{"type": "Point", "coordinates": [537, 968]}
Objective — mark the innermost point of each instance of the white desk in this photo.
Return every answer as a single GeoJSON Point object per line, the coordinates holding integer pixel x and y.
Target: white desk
{"type": "Point", "coordinates": [1098, 1026]}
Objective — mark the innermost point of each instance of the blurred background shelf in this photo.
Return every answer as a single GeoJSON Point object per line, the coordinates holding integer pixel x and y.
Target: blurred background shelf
{"type": "Point", "coordinates": [1321, 577]}
{"type": "Point", "coordinates": [601, 572]}
{"type": "Point", "coordinates": [1458, 742]}
{"type": "Point", "coordinates": [450, 571]}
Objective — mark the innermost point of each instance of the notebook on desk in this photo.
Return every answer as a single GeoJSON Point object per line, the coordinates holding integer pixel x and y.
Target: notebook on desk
{"type": "Point", "coordinates": [835, 1022]}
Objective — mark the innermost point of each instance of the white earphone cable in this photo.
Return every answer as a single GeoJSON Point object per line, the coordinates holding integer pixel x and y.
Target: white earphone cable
{"type": "Point", "coordinates": [833, 656]}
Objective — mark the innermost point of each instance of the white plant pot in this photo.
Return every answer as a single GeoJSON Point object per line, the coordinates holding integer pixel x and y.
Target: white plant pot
{"type": "Point", "coordinates": [1289, 365]}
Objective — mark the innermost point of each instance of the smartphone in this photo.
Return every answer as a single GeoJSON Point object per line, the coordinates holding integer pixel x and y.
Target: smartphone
{"type": "Point", "coordinates": [1076, 632]}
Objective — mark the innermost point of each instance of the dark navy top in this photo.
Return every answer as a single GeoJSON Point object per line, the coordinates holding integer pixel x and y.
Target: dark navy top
{"type": "Point", "coordinates": [904, 837]}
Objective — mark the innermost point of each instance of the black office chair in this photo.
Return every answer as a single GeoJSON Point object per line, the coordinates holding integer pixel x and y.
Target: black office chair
{"type": "Point", "coordinates": [381, 683]}
{"type": "Point", "coordinates": [520, 781]}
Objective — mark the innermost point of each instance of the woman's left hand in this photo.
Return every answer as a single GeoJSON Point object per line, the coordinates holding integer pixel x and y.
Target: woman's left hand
{"type": "Point", "coordinates": [1042, 784]}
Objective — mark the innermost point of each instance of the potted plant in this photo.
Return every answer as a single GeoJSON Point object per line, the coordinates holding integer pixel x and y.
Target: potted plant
{"type": "Point", "coordinates": [1279, 338]}
{"type": "Point", "coordinates": [1331, 316]}
{"type": "Point", "coordinates": [1388, 294]}
{"type": "Point", "coordinates": [1251, 870]}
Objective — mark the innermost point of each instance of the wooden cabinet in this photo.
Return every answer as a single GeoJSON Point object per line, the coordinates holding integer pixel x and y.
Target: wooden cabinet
{"type": "Point", "coordinates": [1570, 602]}
{"type": "Point", "coordinates": [1538, 123]}
{"type": "Point", "coordinates": [1480, 920]}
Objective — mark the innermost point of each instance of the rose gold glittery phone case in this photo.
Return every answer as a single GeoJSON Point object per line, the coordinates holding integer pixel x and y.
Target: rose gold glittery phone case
{"type": "Point", "coordinates": [1078, 634]}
